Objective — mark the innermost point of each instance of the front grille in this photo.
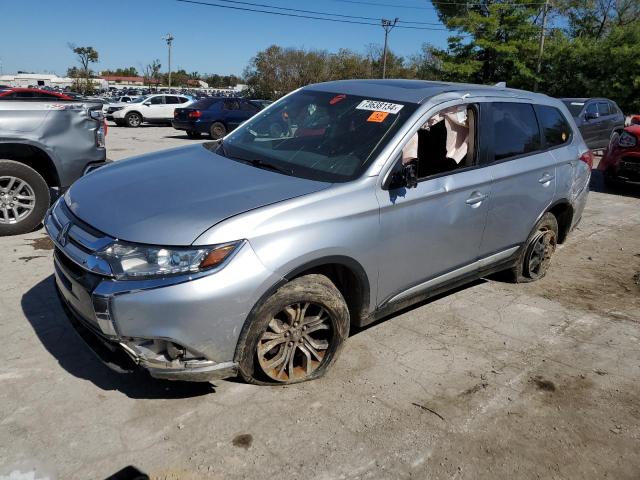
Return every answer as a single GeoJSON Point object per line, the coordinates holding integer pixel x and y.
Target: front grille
{"type": "Point", "coordinates": [76, 241]}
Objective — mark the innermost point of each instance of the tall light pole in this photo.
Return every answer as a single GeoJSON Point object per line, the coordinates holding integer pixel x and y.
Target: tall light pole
{"type": "Point", "coordinates": [169, 39]}
{"type": "Point", "coordinates": [387, 25]}
{"type": "Point", "coordinates": [541, 48]}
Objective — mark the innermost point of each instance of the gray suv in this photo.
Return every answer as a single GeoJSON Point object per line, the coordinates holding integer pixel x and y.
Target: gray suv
{"type": "Point", "coordinates": [598, 119]}
{"type": "Point", "coordinates": [335, 206]}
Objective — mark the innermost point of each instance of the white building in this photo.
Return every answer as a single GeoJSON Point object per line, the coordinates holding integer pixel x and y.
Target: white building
{"type": "Point", "coordinates": [24, 80]}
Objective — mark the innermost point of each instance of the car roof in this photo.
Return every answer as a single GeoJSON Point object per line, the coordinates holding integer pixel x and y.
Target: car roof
{"type": "Point", "coordinates": [418, 91]}
{"type": "Point", "coordinates": [585, 100]}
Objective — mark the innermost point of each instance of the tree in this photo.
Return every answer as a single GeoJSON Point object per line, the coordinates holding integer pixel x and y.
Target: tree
{"type": "Point", "coordinates": [122, 72]}
{"type": "Point", "coordinates": [152, 73]}
{"type": "Point", "coordinates": [85, 56]}
{"type": "Point", "coordinates": [496, 41]}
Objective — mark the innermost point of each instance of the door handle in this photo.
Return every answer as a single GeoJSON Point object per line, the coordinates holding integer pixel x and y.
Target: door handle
{"type": "Point", "coordinates": [476, 198]}
{"type": "Point", "coordinates": [546, 178]}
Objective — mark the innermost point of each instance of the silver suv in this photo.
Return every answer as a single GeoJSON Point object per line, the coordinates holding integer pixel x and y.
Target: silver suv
{"type": "Point", "coordinates": [335, 206]}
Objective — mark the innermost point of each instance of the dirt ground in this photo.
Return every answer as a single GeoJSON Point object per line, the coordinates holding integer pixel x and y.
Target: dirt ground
{"type": "Point", "coordinates": [491, 381]}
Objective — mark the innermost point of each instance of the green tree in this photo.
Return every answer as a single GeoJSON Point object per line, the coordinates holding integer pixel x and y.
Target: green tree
{"type": "Point", "coordinates": [85, 56]}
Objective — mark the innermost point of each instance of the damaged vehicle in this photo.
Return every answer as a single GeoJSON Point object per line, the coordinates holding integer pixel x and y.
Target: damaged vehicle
{"type": "Point", "coordinates": [335, 206]}
{"type": "Point", "coordinates": [45, 145]}
{"type": "Point", "coordinates": [621, 161]}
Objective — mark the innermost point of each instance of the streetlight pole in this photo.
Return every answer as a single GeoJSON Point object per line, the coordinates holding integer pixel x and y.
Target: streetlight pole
{"type": "Point", "coordinates": [169, 39]}
{"type": "Point", "coordinates": [541, 48]}
{"type": "Point", "coordinates": [387, 25]}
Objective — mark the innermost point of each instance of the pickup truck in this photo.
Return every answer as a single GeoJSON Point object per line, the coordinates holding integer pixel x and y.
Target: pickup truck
{"type": "Point", "coordinates": [45, 145]}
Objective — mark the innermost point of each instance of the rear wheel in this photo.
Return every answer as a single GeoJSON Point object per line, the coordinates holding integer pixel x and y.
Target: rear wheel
{"type": "Point", "coordinates": [24, 198]}
{"type": "Point", "coordinates": [535, 257]}
{"type": "Point", "coordinates": [193, 134]}
{"type": "Point", "coordinates": [133, 119]}
{"type": "Point", "coordinates": [217, 130]}
{"type": "Point", "coordinates": [296, 334]}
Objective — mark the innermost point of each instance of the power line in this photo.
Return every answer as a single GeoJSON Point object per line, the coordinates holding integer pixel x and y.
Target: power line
{"type": "Point", "coordinates": [313, 12]}
{"type": "Point", "coordinates": [433, 3]}
{"type": "Point", "coordinates": [284, 14]}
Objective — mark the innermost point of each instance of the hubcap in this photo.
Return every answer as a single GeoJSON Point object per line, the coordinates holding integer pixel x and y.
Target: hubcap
{"type": "Point", "coordinates": [540, 250]}
{"type": "Point", "coordinates": [295, 342]}
{"type": "Point", "coordinates": [134, 120]}
{"type": "Point", "coordinates": [17, 200]}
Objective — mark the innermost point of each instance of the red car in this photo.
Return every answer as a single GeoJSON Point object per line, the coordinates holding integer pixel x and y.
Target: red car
{"type": "Point", "coordinates": [621, 161]}
{"type": "Point", "coordinates": [32, 93]}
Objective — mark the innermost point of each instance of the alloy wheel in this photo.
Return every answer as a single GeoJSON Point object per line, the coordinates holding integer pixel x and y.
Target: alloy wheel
{"type": "Point", "coordinates": [295, 342]}
{"type": "Point", "coordinates": [17, 200]}
{"type": "Point", "coordinates": [541, 248]}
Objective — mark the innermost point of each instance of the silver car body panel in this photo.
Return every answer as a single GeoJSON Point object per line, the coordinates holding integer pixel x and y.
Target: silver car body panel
{"type": "Point", "coordinates": [63, 130]}
{"type": "Point", "coordinates": [400, 242]}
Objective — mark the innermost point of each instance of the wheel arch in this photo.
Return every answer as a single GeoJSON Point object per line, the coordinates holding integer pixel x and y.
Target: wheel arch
{"type": "Point", "coordinates": [347, 274]}
{"type": "Point", "coordinates": [563, 211]}
{"type": "Point", "coordinates": [33, 156]}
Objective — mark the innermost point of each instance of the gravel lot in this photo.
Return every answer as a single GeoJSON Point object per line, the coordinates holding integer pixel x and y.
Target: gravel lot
{"type": "Point", "coordinates": [494, 380]}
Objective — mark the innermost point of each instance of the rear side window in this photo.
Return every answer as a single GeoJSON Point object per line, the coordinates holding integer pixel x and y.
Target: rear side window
{"type": "Point", "coordinates": [249, 107]}
{"type": "Point", "coordinates": [171, 100]}
{"type": "Point", "coordinates": [204, 104]}
{"type": "Point", "coordinates": [231, 105]}
{"type": "Point", "coordinates": [515, 130]}
{"type": "Point", "coordinates": [555, 128]}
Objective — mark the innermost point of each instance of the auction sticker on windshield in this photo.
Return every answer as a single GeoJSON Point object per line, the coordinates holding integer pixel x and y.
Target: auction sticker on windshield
{"type": "Point", "coordinates": [378, 106]}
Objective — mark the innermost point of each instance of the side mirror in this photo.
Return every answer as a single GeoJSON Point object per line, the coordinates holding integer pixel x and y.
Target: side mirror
{"type": "Point", "coordinates": [405, 176]}
{"type": "Point", "coordinates": [591, 116]}
{"type": "Point", "coordinates": [147, 103]}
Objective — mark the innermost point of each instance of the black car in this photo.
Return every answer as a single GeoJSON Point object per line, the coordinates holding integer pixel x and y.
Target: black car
{"type": "Point", "coordinates": [214, 115]}
{"type": "Point", "coordinates": [597, 119]}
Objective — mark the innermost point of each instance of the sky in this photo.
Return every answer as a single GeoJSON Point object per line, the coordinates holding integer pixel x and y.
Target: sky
{"type": "Point", "coordinates": [34, 35]}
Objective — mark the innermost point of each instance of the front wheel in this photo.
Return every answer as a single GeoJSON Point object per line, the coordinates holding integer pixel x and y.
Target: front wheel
{"type": "Point", "coordinates": [296, 334]}
{"type": "Point", "coordinates": [535, 257]}
{"type": "Point", "coordinates": [24, 198]}
{"type": "Point", "coordinates": [217, 130]}
{"type": "Point", "coordinates": [133, 119]}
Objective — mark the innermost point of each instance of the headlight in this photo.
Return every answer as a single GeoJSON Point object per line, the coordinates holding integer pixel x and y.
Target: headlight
{"type": "Point", "coordinates": [627, 140]}
{"type": "Point", "coordinates": [130, 261]}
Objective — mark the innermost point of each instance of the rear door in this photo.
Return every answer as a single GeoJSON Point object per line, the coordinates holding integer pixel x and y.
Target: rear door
{"type": "Point", "coordinates": [523, 177]}
{"type": "Point", "coordinates": [607, 122]}
{"type": "Point", "coordinates": [590, 125]}
{"type": "Point", "coordinates": [248, 109]}
{"type": "Point", "coordinates": [232, 114]}
{"type": "Point", "coordinates": [171, 102]}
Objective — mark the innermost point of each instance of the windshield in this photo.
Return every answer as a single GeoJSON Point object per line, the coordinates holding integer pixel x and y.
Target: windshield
{"type": "Point", "coordinates": [318, 135]}
{"type": "Point", "coordinates": [575, 107]}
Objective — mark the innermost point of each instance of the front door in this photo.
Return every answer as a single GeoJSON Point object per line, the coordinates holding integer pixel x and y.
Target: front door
{"type": "Point", "coordinates": [154, 111]}
{"type": "Point", "coordinates": [431, 233]}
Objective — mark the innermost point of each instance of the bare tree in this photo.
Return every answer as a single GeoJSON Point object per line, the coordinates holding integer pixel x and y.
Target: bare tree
{"type": "Point", "coordinates": [85, 56]}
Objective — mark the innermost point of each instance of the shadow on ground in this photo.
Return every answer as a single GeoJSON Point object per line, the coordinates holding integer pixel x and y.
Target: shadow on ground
{"type": "Point", "coordinates": [42, 309]}
{"type": "Point", "coordinates": [623, 189]}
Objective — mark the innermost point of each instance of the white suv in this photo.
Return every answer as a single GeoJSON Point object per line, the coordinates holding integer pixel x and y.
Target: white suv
{"type": "Point", "coordinates": [151, 109]}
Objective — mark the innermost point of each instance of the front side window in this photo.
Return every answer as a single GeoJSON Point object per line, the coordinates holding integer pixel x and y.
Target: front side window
{"type": "Point", "coordinates": [318, 135]}
{"type": "Point", "coordinates": [515, 130]}
{"type": "Point", "coordinates": [592, 109]}
{"type": "Point", "coordinates": [555, 128]}
{"type": "Point", "coordinates": [445, 143]}
{"type": "Point", "coordinates": [159, 100]}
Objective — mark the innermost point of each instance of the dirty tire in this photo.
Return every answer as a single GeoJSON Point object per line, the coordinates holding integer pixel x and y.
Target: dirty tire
{"type": "Point", "coordinates": [133, 120]}
{"type": "Point", "coordinates": [217, 130]}
{"type": "Point", "coordinates": [326, 323]}
{"type": "Point", "coordinates": [535, 256]}
{"type": "Point", "coordinates": [193, 134]}
{"type": "Point", "coordinates": [33, 185]}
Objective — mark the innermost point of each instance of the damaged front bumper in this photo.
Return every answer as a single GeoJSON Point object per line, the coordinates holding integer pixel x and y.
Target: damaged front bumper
{"type": "Point", "coordinates": [127, 356]}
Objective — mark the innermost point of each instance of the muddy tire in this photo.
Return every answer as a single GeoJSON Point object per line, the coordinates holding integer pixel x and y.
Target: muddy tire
{"type": "Point", "coordinates": [217, 130]}
{"type": "Point", "coordinates": [535, 256]}
{"type": "Point", "coordinates": [24, 198]}
{"type": "Point", "coordinates": [296, 334]}
{"type": "Point", "coordinates": [133, 120]}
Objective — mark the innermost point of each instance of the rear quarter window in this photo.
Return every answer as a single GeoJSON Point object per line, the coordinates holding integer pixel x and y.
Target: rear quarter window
{"type": "Point", "coordinates": [515, 130]}
{"type": "Point", "coordinates": [556, 130]}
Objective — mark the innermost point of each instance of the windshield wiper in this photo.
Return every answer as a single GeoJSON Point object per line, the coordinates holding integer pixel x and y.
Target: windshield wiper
{"type": "Point", "coordinates": [268, 166]}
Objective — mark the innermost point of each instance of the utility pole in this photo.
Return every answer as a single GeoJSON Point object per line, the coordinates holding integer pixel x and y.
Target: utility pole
{"type": "Point", "coordinates": [169, 39]}
{"type": "Point", "coordinates": [541, 50]}
{"type": "Point", "coordinates": [387, 25]}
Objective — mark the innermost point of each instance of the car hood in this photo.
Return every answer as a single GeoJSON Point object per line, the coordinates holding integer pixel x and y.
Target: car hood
{"type": "Point", "coordinates": [171, 197]}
